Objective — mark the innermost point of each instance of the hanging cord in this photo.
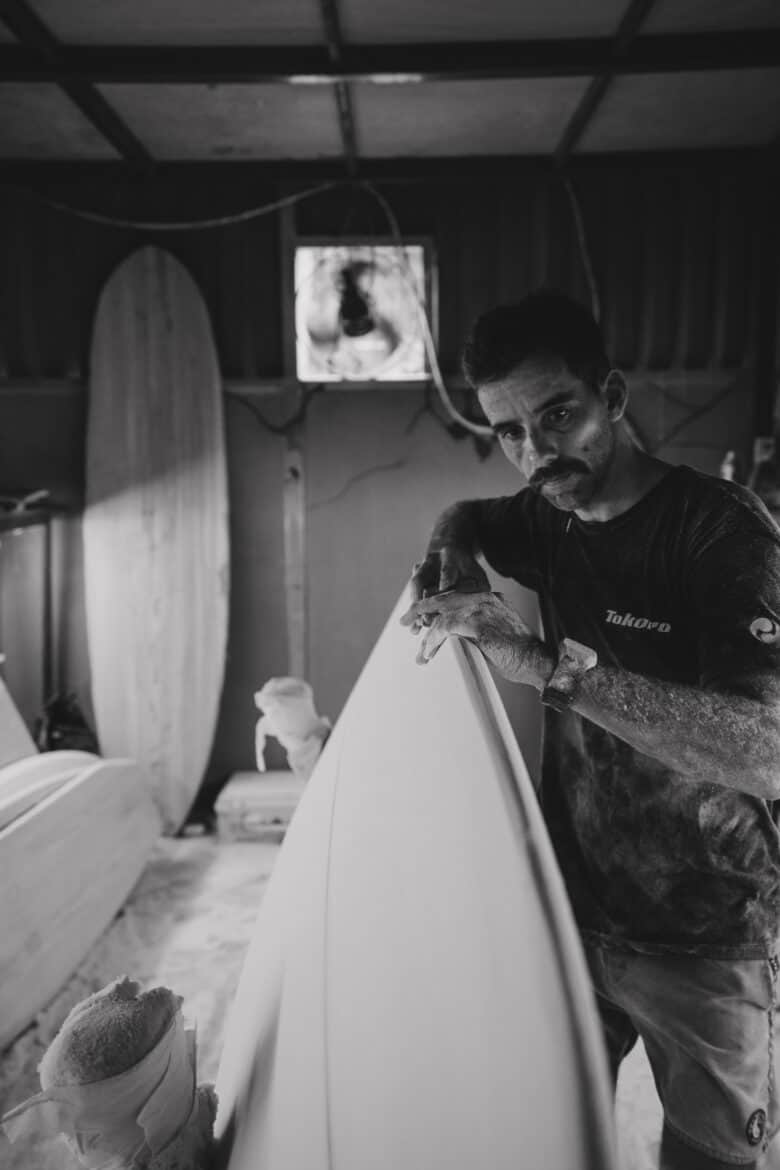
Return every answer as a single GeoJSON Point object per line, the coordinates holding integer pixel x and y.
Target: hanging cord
{"type": "Point", "coordinates": [593, 288]}
{"type": "Point", "coordinates": [698, 413]}
{"type": "Point", "coordinates": [184, 226]}
{"type": "Point", "coordinates": [268, 209]}
{"type": "Point", "coordinates": [23, 505]}
{"type": "Point", "coordinates": [582, 240]}
{"type": "Point", "coordinates": [430, 345]}
{"type": "Point", "coordinates": [289, 424]}
{"type": "Point", "coordinates": [693, 415]}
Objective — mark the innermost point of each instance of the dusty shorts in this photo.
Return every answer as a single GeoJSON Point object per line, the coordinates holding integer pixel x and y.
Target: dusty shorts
{"type": "Point", "coordinates": [712, 1036]}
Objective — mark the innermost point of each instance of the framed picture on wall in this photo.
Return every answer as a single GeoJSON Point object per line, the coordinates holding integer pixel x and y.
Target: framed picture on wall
{"type": "Point", "coordinates": [364, 310]}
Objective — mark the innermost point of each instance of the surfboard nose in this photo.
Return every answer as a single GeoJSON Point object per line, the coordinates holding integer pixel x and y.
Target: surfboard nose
{"type": "Point", "coordinates": [415, 993]}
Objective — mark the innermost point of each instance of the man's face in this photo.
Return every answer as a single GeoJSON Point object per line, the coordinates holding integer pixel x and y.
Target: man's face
{"type": "Point", "coordinates": [554, 428]}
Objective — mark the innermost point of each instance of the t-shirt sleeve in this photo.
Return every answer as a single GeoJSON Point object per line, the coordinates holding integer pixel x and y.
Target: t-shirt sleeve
{"type": "Point", "coordinates": [507, 538]}
{"type": "Point", "coordinates": [735, 596]}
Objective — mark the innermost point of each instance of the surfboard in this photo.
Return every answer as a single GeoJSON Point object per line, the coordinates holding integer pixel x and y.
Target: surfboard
{"type": "Point", "coordinates": [15, 740]}
{"type": "Point", "coordinates": [415, 993]}
{"type": "Point", "coordinates": [25, 783]}
{"type": "Point", "coordinates": [156, 526]}
{"type": "Point", "coordinates": [68, 866]}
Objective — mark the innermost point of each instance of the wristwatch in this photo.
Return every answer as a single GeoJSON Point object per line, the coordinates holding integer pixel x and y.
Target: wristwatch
{"type": "Point", "coordinates": [574, 660]}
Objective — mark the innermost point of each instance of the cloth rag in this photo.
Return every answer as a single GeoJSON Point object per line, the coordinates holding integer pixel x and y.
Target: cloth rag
{"type": "Point", "coordinates": [290, 717]}
{"type": "Point", "coordinates": [110, 1122]}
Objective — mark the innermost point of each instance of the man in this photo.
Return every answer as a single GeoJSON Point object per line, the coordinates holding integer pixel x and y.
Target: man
{"type": "Point", "coordinates": [659, 589]}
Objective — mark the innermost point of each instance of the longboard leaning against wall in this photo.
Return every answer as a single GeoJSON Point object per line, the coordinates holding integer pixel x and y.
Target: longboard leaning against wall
{"type": "Point", "coordinates": [156, 526]}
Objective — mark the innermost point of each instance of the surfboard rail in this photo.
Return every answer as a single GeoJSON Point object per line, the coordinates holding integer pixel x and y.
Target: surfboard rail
{"type": "Point", "coordinates": [23, 786]}
{"type": "Point", "coordinates": [524, 812]}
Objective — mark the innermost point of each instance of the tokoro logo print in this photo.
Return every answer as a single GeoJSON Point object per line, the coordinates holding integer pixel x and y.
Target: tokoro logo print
{"type": "Point", "coordinates": [766, 630]}
{"type": "Point", "coordinates": [755, 1127]}
{"type": "Point", "coordinates": [636, 623]}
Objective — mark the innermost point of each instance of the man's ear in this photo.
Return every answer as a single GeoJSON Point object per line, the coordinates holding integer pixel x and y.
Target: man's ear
{"type": "Point", "coordinates": [615, 393]}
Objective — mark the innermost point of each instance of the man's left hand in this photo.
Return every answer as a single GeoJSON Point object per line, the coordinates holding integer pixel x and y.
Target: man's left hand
{"type": "Point", "coordinates": [506, 640]}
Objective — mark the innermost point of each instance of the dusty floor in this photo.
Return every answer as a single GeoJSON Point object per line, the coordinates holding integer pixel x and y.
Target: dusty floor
{"type": "Point", "coordinates": [187, 925]}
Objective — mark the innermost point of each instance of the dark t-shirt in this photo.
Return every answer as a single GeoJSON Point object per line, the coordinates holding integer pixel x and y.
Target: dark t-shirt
{"type": "Point", "coordinates": [684, 587]}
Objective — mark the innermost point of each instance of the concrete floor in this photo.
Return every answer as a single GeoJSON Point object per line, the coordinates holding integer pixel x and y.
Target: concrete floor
{"type": "Point", "coordinates": [187, 925]}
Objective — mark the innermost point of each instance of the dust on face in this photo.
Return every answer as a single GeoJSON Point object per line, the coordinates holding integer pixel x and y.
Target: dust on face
{"type": "Point", "coordinates": [554, 429]}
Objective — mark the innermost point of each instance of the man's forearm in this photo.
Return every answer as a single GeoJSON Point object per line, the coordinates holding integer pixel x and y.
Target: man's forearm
{"type": "Point", "coordinates": [458, 527]}
{"type": "Point", "coordinates": [727, 739]}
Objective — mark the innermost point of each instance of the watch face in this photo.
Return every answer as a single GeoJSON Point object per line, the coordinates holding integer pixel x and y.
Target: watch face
{"type": "Point", "coordinates": [576, 656]}
{"type": "Point", "coordinates": [566, 675]}
{"type": "Point", "coordinates": [568, 668]}
{"type": "Point", "coordinates": [574, 661]}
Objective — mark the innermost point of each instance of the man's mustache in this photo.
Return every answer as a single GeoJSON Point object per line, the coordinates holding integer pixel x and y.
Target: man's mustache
{"type": "Point", "coordinates": [554, 471]}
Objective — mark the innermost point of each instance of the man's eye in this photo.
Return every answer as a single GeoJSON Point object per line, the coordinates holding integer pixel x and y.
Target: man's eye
{"type": "Point", "coordinates": [510, 432]}
{"type": "Point", "coordinates": [559, 416]}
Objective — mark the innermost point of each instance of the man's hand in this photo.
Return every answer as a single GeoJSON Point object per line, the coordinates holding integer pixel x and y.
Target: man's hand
{"type": "Point", "coordinates": [485, 619]}
{"type": "Point", "coordinates": [443, 571]}
{"type": "Point", "coordinates": [446, 569]}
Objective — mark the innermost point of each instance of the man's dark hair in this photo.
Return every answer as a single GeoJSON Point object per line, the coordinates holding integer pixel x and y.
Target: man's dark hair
{"type": "Point", "coordinates": [545, 323]}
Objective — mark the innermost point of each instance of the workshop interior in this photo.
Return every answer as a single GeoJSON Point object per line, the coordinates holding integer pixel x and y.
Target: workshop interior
{"type": "Point", "coordinates": [242, 831]}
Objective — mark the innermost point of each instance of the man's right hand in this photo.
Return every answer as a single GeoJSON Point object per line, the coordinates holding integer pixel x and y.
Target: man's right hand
{"type": "Point", "coordinates": [446, 569]}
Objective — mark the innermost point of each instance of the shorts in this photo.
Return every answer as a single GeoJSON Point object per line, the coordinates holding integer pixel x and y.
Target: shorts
{"type": "Point", "coordinates": [710, 1029]}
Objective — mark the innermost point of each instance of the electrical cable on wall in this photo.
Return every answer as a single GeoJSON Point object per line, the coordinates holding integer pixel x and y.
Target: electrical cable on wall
{"type": "Point", "coordinates": [480, 431]}
{"type": "Point", "coordinates": [468, 424]}
{"type": "Point", "coordinates": [587, 263]}
{"type": "Point", "coordinates": [266, 209]}
{"type": "Point", "coordinates": [295, 419]}
{"type": "Point", "coordinates": [359, 477]}
{"type": "Point", "coordinates": [582, 240]}
{"type": "Point", "coordinates": [695, 414]}
{"type": "Point", "coordinates": [430, 345]}
{"type": "Point", "coordinates": [175, 226]}
{"type": "Point", "coordinates": [23, 505]}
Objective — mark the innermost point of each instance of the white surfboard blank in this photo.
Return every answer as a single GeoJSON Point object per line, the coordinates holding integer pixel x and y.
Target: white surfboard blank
{"type": "Point", "coordinates": [415, 993]}
{"type": "Point", "coordinates": [68, 864]}
{"type": "Point", "coordinates": [16, 743]}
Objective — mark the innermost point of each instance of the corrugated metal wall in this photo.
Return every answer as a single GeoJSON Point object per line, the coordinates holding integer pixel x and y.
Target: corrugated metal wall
{"type": "Point", "coordinates": [54, 265]}
{"type": "Point", "coordinates": [674, 250]}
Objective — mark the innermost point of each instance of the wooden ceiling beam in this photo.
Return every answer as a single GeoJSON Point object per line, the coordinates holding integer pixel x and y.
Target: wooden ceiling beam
{"type": "Point", "coordinates": [41, 45]}
{"type": "Point", "coordinates": [383, 64]}
{"type": "Point", "coordinates": [341, 89]}
{"type": "Point", "coordinates": [625, 36]}
{"type": "Point", "coordinates": [259, 178]}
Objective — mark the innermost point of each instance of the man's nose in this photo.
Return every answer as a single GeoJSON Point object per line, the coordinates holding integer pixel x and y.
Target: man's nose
{"type": "Point", "coordinates": [541, 449]}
